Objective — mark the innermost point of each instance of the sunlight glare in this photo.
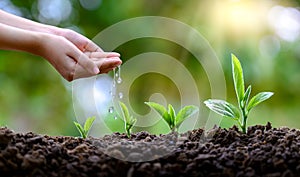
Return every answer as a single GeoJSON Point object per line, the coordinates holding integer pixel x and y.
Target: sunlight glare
{"type": "Point", "coordinates": [286, 22]}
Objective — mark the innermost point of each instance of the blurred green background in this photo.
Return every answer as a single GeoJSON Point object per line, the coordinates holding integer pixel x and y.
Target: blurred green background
{"type": "Point", "coordinates": [264, 34]}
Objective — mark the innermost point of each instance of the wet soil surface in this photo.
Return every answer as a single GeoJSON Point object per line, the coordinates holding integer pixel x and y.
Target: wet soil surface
{"type": "Point", "coordinates": [263, 151]}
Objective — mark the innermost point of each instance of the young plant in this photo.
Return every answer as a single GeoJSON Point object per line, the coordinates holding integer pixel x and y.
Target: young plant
{"type": "Point", "coordinates": [84, 131]}
{"type": "Point", "coordinates": [129, 120]}
{"type": "Point", "coordinates": [241, 113]}
{"type": "Point", "coordinates": [173, 120]}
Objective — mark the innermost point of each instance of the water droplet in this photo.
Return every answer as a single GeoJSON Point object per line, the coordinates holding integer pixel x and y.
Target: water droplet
{"type": "Point", "coordinates": [116, 117]}
{"type": "Point", "coordinates": [112, 94]}
{"type": "Point", "coordinates": [120, 95]}
{"type": "Point", "coordinates": [111, 109]}
{"type": "Point", "coordinates": [119, 81]}
{"type": "Point", "coordinates": [118, 75]}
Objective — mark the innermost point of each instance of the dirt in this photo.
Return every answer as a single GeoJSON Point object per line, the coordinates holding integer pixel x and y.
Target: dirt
{"type": "Point", "coordinates": [263, 151]}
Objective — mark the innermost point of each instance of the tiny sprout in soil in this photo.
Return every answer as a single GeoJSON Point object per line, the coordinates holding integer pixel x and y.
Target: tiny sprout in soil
{"type": "Point", "coordinates": [227, 109]}
{"type": "Point", "coordinates": [173, 120]}
{"type": "Point", "coordinates": [84, 131]}
{"type": "Point", "coordinates": [129, 119]}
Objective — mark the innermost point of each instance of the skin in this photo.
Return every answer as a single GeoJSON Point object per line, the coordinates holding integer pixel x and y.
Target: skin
{"type": "Point", "coordinates": [71, 54]}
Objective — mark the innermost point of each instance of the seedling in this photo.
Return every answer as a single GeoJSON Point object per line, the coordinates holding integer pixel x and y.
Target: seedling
{"type": "Point", "coordinates": [84, 131]}
{"type": "Point", "coordinates": [128, 119]}
{"type": "Point", "coordinates": [241, 113]}
{"type": "Point", "coordinates": [173, 120]}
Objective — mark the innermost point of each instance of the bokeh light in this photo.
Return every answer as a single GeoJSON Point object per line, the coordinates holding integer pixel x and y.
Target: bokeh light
{"type": "Point", "coordinates": [286, 22]}
{"type": "Point", "coordinates": [54, 12]}
{"type": "Point", "coordinates": [264, 34]}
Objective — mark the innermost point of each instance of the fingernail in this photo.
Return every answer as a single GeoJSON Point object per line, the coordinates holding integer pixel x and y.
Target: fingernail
{"type": "Point", "coordinates": [96, 70]}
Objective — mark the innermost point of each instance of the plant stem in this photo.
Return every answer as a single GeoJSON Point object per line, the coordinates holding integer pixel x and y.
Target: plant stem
{"type": "Point", "coordinates": [174, 129]}
{"type": "Point", "coordinates": [244, 121]}
{"type": "Point", "coordinates": [128, 133]}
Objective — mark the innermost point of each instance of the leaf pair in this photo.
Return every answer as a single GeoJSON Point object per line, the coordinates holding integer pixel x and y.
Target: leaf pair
{"type": "Point", "coordinates": [173, 120]}
{"type": "Point", "coordinates": [227, 109]}
{"type": "Point", "coordinates": [243, 96]}
{"type": "Point", "coordinates": [129, 120]}
{"type": "Point", "coordinates": [84, 131]}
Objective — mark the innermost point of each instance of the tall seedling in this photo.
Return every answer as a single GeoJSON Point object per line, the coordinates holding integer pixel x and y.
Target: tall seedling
{"type": "Point", "coordinates": [241, 113]}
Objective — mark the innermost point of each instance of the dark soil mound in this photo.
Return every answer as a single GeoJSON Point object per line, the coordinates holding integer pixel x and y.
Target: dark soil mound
{"type": "Point", "coordinates": [263, 151]}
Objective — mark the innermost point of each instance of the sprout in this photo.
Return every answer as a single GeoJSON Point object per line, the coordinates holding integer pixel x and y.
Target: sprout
{"type": "Point", "coordinates": [173, 120]}
{"type": "Point", "coordinates": [241, 113]}
{"type": "Point", "coordinates": [128, 119]}
{"type": "Point", "coordinates": [84, 131]}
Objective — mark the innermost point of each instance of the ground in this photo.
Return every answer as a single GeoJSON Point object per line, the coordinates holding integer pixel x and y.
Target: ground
{"type": "Point", "coordinates": [263, 151]}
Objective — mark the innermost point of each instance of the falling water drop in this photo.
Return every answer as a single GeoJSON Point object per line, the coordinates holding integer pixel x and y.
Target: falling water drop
{"type": "Point", "coordinates": [118, 74]}
{"type": "Point", "coordinates": [119, 81]}
{"type": "Point", "coordinates": [120, 95]}
{"type": "Point", "coordinates": [114, 84]}
{"type": "Point", "coordinates": [111, 109]}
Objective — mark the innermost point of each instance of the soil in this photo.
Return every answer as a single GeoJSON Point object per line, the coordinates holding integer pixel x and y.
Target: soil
{"type": "Point", "coordinates": [263, 151]}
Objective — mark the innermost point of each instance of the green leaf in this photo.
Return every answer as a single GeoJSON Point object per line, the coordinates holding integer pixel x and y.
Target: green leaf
{"type": "Point", "coordinates": [80, 129]}
{"type": "Point", "coordinates": [172, 115]}
{"type": "Point", "coordinates": [246, 96]}
{"type": "Point", "coordinates": [238, 78]}
{"type": "Point", "coordinates": [88, 124]}
{"type": "Point", "coordinates": [260, 97]}
{"type": "Point", "coordinates": [161, 110]}
{"type": "Point", "coordinates": [128, 119]}
{"type": "Point", "coordinates": [125, 112]}
{"type": "Point", "coordinates": [133, 121]}
{"type": "Point", "coordinates": [184, 113]}
{"type": "Point", "coordinates": [128, 129]}
{"type": "Point", "coordinates": [129, 125]}
{"type": "Point", "coordinates": [223, 108]}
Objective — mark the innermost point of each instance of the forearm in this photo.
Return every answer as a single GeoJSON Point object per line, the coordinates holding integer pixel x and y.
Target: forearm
{"type": "Point", "coordinates": [12, 38]}
{"type": "Point", "coordinates": [22, 23]}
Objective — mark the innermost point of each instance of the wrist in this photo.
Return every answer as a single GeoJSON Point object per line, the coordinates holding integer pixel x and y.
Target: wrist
{"type": "Point", "coordinates": [38, 46]}
{"type": "Point", "coordinates": [49, 29]}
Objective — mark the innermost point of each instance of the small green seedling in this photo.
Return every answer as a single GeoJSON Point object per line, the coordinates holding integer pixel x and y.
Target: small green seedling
{"type": "Point", "coordinates": [129, 120]}
{"type": "Point", "coordinates": [173, 120]}
{"type": "Point", "coordinates": [228, 110]}
{"type": "Point", "coordinates": [84, 131]}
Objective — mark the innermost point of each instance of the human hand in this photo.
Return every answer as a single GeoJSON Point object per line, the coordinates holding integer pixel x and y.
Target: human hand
{"type": "Point", "coordinates": [72, 63]}
{"type": "Point", "coordinates": [92, 50]}
{"type": "Point", "coordinates": [72, 54]}
{"type": "Point", "coordinates": [81, 42]}
{"type": "Point", "coordinates": [106, 61]}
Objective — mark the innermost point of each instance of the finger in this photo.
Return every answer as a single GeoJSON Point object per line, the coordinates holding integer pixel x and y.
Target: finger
{"type": "Point", "coordinates": [81, 72]}
{"type": "Point", "coordinates": [85, 62]}
{"type": "Point", "coordinates": [92, 47]}
{"type": "Point", "coordinates": [108, 63]}
{"type": "Point", "coordinates": [107, 70]}
{"type": "Point", "coordinates": [102, 54]}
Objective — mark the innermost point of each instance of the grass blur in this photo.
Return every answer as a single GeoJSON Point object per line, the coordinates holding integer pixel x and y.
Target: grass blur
{"type": "Point", "coordinates": [264, 34]}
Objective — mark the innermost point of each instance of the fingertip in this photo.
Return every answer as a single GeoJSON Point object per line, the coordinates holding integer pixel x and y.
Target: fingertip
{"type": "Point", "coordinates": [115, 61]}
{"type": "Point", "coordinates": [113, 54]}
{"type": "Point", "coordinates": [96, 70]}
